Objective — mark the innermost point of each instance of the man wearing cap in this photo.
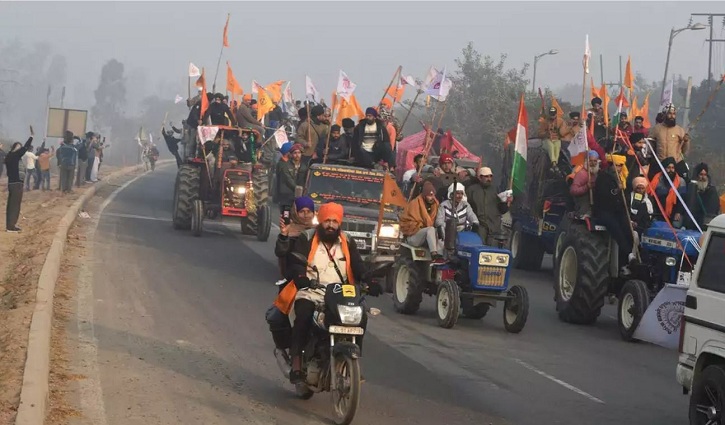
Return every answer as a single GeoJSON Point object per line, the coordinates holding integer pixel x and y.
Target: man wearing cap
{"type": "Point", "coordinates": [672, 140]}
{"type": "Point", "coordinates": [418, 220]}
{"type": "Point", "coordinates": [313, 132]}
{"type": "Point", "coordinates": [291, 174]}
{"type": "Point", "coordinates": [244, 116]}
{"type": "Point", "coordinates": [462, 212]}
{"type": "Point", "coordinates": [552, 130]}
{"type": "Point", "coordinates": [371, 142]}
{"type": "Point", "coordinates": [338, 149]}
{"type": "Point", "coordinates": [487, 205]}
{"type": "Point", "coordinates": [337, 260]}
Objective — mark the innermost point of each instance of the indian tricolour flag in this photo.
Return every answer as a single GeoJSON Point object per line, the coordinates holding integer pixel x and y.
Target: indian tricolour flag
{"type": "Point", "coordinates": [518, 173]}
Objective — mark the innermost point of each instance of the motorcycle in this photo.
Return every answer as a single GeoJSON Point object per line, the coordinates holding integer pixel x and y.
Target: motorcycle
{"type": "Point", "coordinates": [331, 358]}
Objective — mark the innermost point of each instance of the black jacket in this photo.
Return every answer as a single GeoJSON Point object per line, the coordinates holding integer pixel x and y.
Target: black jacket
{"type": "Point", "coordinates": [339, 149]}
{"type": "Point", "coordinates": [382, 144]}
{"type": "Point", "coordinates": [12, 162]}
{"type": "Point", "coordinates": [171, 142]}
{"type": "Point", "coordinates": [298, 271]}
{"type": "Point", "coordinates": [193, 119]}
{"type": "Point", "coordinates": [607, 195]}
{"type": "Point", "coordinates": [219, 112]}
{"type": "Point", "coordinates": [287, 179]}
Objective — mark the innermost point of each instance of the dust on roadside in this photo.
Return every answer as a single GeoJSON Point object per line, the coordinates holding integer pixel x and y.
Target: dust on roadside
{"type": "Point", "coordinates": [21, 259]}
{"type": "Point", "coordinates": [64, 401]}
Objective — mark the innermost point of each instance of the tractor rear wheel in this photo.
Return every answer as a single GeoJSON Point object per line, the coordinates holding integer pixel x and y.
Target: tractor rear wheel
{"type": "Point", "coordinates": [186, 191]}
{"type": "Point", "coordinates": [581, 283]}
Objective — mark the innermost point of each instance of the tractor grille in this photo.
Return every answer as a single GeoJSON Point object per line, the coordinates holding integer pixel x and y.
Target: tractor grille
{"type": "Point", "coordinates": [362, 233]}
{"type": "Point", "coordinates": [231, 197]}
{"type": "Point", "coordinates": [491, 276]}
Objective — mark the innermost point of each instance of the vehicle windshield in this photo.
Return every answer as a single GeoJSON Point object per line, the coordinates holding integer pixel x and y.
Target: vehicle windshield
{"type": "Point", "coordinates": [357, 187]}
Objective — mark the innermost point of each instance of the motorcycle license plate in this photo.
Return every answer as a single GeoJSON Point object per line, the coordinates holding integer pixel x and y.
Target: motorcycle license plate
{"type": "Point", "coordinates": [344, 330]}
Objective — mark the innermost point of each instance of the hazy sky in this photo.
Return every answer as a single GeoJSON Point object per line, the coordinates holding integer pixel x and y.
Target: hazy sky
{"type": "Point", "coordinates": [286, 40]}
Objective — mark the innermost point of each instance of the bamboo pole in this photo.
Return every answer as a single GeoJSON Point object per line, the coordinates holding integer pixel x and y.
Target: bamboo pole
{"type": "Point", "coordinates": [392, 80]}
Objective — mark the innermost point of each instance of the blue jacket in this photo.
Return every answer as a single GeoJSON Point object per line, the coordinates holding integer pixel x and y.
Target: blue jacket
{"type": "Point", "coordinates": [67, 155]}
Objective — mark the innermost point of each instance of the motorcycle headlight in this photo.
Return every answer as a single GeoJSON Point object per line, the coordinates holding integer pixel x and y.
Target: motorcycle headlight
{"type": "Point", "coordinates": [350, 315]}
{"type": "Point", "coordinates": [390, 231]}
{"type": "Point", "coordinates": [670, 261]}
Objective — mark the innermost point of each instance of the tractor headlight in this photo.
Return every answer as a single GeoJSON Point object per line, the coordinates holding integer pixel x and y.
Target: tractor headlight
{"type": "Point", "coordinates": [502, 260]}
{"type": "Point", "coordinates": [350, 315]}
{"type": "Point", "coordinates": [390, 231]}
{"type": "Point", "coordinates": [315, 221]}
{"type": "Point", "coordinates": [670, 261]}
{"type": "Point", "coordinates": [493, 259]}
{"type": "Point", "coordinates": [241, 190]}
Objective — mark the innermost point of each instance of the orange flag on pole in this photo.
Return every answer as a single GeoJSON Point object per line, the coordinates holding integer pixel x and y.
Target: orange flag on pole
{"type": "Point", "coordinates": [265, 104]}
{"type": "Point", "coordinates": [226, 28]}
{"type": "Point", "coordinates": [349, 109]}
{"type": "Point", "coordinates": [274, 90]}
{"type": "Point", "coordinates": [204, 100]}
{"type": "Point", "coordinates": [392, 195]}
{"type": "Point", "coordinates": [628, 77]}
{"type": "Point", "coordinates": [233, 86]}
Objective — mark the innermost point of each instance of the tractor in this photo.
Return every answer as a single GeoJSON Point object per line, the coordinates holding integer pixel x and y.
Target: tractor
{"type": "Point", "coordinates": [209, 185]}
{"type": "Point", "coordinates": [473, 278]}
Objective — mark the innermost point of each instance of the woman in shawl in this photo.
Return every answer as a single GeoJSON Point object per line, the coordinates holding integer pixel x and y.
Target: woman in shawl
{"type": "Point", "coordinates": [301, 216]}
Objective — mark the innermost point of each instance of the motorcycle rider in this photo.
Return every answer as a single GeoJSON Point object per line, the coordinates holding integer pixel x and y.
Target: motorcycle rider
{"type": "Point", "coordinates": [338, 261]}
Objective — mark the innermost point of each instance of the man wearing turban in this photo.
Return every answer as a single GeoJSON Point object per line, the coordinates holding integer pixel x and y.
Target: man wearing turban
{"type": "Point", "coordinates": [671, 140]}
{"type": "Point", "coordinates": [660, 187]}
{"type": "Point", "coordinates": [337, 260]}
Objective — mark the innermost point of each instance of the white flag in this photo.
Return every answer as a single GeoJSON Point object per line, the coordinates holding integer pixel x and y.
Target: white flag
{"type": "Point", "coordinates": [345, 87]}
{"type": "Point", "coordinates": [310, 90]}
{"type": "Point", "coordinates": [255, 87]}
{"type": "Point", "coordinates": [587, 55]}
{"type": "Point", "coordinates": [207, 133]}
{"type": "Point", "coordinates": [280, 136]}
{"type": "Point", "coordinates": [287, 94]}
{"type": "Point", "coordinates": [178, 99]}
{"type": "Point", "coordinates": [667, 95]}
{"type": "Point", "coordinates": [439, 86]}
{"type": "Point", "coordinates": [408, 79]}
{"type": "Point", "coordinates": [151, 138]}
{"type": "Point", "coordinates": [194, 70]}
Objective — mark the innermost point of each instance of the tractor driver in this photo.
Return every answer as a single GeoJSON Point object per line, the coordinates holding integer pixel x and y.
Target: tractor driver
{"type": "Point", "coordinates": [462, 212]}
{"type": "Point", "coordinates": [418, 219]}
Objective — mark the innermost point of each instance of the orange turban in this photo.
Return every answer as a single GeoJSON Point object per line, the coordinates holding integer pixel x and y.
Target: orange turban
{"type": "Point", "coordinates": [247, 97]}
{"type": "Point", "coordinates": [330, 210]}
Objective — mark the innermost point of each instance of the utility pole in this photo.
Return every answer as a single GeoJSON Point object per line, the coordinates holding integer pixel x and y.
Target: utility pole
{"type": "Point", "coordinates": [710, 40]}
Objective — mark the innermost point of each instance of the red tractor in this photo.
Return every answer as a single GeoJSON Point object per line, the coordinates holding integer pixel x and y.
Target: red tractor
{"type": "Point", "coordinates": [226, 176]}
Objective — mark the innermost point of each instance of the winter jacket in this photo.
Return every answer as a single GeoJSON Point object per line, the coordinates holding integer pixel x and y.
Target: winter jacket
{"type": "Point", "coordinates": [670, 141]}
{"type": "Point", "coordinates": [67, 155]}
{"type": "Point", "coordinates": [580, 185]}
{"type": "Point", "coordinates": [487, 206]}
{"type": "Point", "coordinates": [12, 162]}
{"type": "Point", "coordinates": [338, 149]}
{"type": "Point", "coordinates": [416, 216]}
{"type": "Point", "coordinates": [310, 134]}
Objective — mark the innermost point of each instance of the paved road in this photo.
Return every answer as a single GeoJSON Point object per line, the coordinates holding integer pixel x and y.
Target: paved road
{"type": "Point", "coordinates": [176, 334]}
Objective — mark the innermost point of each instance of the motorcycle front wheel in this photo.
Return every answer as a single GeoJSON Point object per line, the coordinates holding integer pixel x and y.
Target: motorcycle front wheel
{"type": "Point", "coordinates": [346, 397]}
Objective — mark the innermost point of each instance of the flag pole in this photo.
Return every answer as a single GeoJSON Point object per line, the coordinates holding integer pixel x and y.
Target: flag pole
{"type": "Point", "coordinates": [47, 113]}
{"type": "Point", "coordinates": [327, 141]}
{"type": "Point", "coordinates": [392, 80]}
{"type": "Point", "coordinates": [213, 87]}
{"type": "Point", "coordinates": [428, 143]}
{"type": "Point", "coordinates": [412, 105]}
{"type": "Point", "coordinates": [585, 63]}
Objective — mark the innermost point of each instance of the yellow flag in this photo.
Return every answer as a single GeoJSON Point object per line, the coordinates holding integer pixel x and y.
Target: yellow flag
{"type": "Point", "coordinates": [274, 90]}
{"type": "Point", "coordinates": [265, 104]}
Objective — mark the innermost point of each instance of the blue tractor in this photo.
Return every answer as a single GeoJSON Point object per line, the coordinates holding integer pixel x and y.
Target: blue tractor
{"type": "Point", "coordinates": [474, 278]}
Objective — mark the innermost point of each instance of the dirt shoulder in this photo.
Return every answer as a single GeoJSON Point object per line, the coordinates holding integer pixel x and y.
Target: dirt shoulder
{"type": "Point", "coordinates": [21, 258]}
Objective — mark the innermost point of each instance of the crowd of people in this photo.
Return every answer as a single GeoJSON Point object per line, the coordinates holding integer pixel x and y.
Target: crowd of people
{"type": "Point", "coordinates": [28, 169]}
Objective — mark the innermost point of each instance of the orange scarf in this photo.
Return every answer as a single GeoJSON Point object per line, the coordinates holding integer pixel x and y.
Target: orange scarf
{"type": "Point", "coordinates": [671, 196]}
{"type": "Point", "coordinates": [286, 297]}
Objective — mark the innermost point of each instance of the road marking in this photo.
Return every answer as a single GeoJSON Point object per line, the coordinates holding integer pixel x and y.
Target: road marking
{"type": "Point", "coordinates": [139, 217]}
{"type": "Point", "coordinates": [558, 381]}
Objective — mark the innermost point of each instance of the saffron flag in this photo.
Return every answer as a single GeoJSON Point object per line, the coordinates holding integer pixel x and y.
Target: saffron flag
{"type": "Point", "coordinates": [349, 109]}
{"type": "Point", "coordinates": [518, 173]}
{"type": "Point", "coordinates": [604, 95]}
{"type": "Point", "coordinates": [233, 86]}
{"type": "Point", "coordinates": [555, 104]}
{"type": "Point", "coordinates": [204, 100]}
{"type": "Point", "coordinates": [595, 92]}
{"type": "Point", "coordinates": [644, 111]}
{"type": "Point", "coordinates": [274, 90]}
{"type": "Point", "coordinates": [265, 103]}
{"type": "Point", "coordinates": [510, 137]}
{"type": "Point", "coordinates": [628, 77]}
{"type": "Point", "coordinates": [392, 195]}
{"type": "Point", "coordinates": [225, 41]}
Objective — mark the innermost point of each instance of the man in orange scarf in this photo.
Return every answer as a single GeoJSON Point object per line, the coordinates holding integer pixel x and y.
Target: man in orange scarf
{"type": "Point", "coordinates": [337, 260]}
{"type": "Point", "coordinates": [660, 187]}
{"type": "Point", "coordinates": [418, 219]}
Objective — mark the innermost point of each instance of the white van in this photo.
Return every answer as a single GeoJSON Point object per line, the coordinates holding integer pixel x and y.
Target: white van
{"type": "Point", "coordinates": [701, 365]}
